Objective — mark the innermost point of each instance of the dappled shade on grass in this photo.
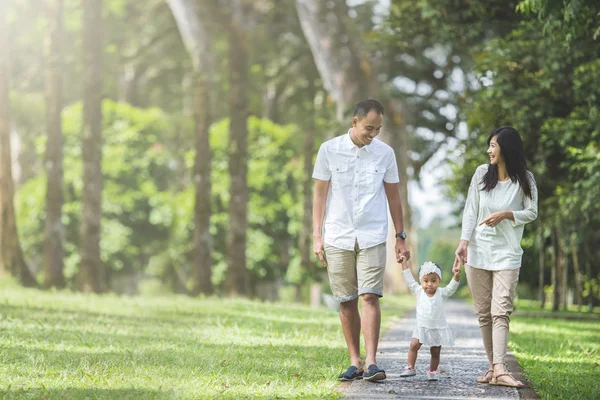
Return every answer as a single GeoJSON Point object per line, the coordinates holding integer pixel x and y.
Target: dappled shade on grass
{"type": "Point", "coordinates": [65, 345]}
{"type": "Point", "coordinates": [560, 357]}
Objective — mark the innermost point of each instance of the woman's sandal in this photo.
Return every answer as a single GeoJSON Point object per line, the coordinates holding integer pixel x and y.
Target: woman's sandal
{"type": "Point", "coordinates": [484, 378]}
{"type": "Point", "coordinates": [495, 381]}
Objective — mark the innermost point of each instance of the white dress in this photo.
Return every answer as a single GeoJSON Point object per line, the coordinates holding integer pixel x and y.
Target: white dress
{"type": "Point", "coordinates": [432, 328]}
{"type": "Point", "coordinates": [496, 248]}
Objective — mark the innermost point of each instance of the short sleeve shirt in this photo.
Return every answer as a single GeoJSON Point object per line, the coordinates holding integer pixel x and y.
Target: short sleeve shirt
{"type": "Point", "coordinates": [356, 209]}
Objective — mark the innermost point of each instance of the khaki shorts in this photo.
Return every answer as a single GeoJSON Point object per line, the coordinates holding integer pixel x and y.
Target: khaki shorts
{"type": "Point", "coordinates": [355, 272]}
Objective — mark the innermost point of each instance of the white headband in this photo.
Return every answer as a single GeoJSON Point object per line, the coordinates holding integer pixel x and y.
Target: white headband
{"type": "Point", "coordinates": [429, 268]}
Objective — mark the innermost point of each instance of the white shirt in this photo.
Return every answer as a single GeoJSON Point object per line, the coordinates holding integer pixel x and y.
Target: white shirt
{"type": "Point", "coordinates": [430, 310]}
{"type": "Point", "coordinates": [356, 209]}
{"type": "Point", "coordinates": [497, 248]}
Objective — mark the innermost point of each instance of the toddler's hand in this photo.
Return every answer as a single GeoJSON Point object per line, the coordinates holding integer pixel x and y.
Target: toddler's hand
{"type": "Point", "coordinates": [456, 269]}
{"type": "Point", "coordinates": [405, 265]}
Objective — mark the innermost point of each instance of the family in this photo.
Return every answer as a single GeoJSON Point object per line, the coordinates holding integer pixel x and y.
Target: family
{"type": "Point", "coordinates": [356, 180]}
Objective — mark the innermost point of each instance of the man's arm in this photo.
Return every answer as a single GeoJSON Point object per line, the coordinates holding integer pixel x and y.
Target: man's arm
{"type": "Point", "coordinates": [319, 202]}
{"type": "Point", "coordinates": [392, 191]}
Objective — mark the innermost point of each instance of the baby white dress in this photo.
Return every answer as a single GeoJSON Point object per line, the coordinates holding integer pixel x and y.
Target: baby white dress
{"type": "Point", "coordinates": [432, 328]}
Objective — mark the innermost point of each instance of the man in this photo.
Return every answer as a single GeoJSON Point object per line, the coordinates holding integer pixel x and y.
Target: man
{"type": "Point", "coordinates": [354, 173]}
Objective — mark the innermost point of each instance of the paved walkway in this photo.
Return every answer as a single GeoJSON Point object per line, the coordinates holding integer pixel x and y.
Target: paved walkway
{"type": "Point", "coordinates": [461, 364]}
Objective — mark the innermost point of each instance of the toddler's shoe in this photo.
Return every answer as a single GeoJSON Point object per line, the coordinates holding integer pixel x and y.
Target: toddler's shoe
{"type": "Point", "coordinates": [432, 375]}
{"type": "Point", "coordinates": [408, 372]}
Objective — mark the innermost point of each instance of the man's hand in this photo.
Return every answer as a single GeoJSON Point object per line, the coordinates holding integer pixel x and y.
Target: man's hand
{"type": "Point", "coordinates": [461, 252]}
{"type": "Point", "coordinates": [402, 251]}
{"type": "Point", "coordinates": [494, 219]}
{"type": "Point", "coordinates": [319, 251]}
{"type": "Point", "coordinates": [456, 270]}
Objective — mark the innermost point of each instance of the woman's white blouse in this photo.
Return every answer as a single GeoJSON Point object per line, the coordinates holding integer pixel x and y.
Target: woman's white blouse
{"type": "Point", "coordinates": [497, 248]}
{"type": "Point", "coordinates": [430, 310]}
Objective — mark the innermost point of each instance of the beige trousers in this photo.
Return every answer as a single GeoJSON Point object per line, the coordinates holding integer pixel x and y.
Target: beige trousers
{"type": "Point", "coordinates": [493, 293]}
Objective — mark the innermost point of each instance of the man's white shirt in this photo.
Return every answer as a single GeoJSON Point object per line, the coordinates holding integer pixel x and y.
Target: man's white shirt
{"type": "Point", "coordinates": [356, 209]}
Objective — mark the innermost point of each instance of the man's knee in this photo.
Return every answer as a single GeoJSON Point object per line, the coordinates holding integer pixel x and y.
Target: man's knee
{"type": "Point", "coordinates": [349, 305]}
{"type": "Point", "coordinates": [369, 298]}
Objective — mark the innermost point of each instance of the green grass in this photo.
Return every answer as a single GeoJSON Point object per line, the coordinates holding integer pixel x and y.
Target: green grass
{"type": "Point", "coordinates": [561, 357]}
{"type": "Point", "coordinates": [74, 346]}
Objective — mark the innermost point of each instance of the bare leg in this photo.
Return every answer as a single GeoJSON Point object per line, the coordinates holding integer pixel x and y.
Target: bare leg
{"type": "Point", "coordinates": [371, 322]}
{"type": "Point", "coordinates": [412, 352]}
{"type": "Point", "coordinates": [435, 357]}
{"type": "Point", "coordinates": [350, 320]}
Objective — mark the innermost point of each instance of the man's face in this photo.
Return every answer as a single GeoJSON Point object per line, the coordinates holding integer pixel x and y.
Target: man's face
{"type": "Point", "coordinates": [366, 128]}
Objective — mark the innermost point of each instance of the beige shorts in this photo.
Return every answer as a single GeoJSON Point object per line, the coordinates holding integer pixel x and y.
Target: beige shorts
{"type": "Point", "coordinates": [355, 272]}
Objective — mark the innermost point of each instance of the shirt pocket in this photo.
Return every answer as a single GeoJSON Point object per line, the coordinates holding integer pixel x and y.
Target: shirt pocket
{"type": "Point", "coordinates": [340, 175]}
{"type": "Point", "coordinates": [374, 176]}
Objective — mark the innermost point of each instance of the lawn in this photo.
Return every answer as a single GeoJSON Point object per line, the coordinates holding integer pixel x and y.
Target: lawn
{"type": "Point", "coordinates": [74, 346]}
{"type": "Point", "coordinates": [560, 356]}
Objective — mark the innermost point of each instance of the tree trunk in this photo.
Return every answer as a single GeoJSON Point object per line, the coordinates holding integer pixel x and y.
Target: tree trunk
{"type": "Point", "coordinates": [317, 32]}
{"type": "Point", "coordinates": [576, 271]}
{"type": "Point", "coordinates": [54, 229]}
{"type": "Point", "coordinates": [195, 35]}
{"type": "Point", "coordinates": [202, 182]}
{"type": "Point", "coordinates": [564, 268]}
{"type": "Point", "coordinates": [92, 272]}
{"type": "Point", "coordinates": [555, 271]}
{"type": "Point", "coordinates": [588, 272]}
{"type": "Point", "coordinates": [237, 280]}
{"type": "Point", "coordinates": [308, 151]}
{"type": "Point", "coordinates": [11, 254]}
{"type": "Point", "coordinates": [541, 266]}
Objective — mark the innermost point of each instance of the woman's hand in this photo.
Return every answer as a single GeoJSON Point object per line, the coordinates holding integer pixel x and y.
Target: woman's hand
{"type": "Point", "coordinates": [495, 218]}
{"type": "Point", "coordinates": [461, 252]}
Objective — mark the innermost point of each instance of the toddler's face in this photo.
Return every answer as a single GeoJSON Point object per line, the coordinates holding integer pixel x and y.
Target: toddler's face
{"type": "Point", "coordinates": [430, 283]}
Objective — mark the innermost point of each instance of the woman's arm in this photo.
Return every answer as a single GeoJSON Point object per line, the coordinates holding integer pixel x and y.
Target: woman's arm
{"type": "Point", "coordinates": [469, 219]}
{"type": "Point", "coordinates": [470, 213]}
{"type": "Point", "coordinates": [530, 211]}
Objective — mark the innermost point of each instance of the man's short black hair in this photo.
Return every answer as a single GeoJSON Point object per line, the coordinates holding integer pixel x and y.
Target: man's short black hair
{"type": "Point", "coordinates": [363, 107]}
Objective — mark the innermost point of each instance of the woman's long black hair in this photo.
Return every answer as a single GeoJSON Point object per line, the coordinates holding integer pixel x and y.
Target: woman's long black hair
{"type": "Point", "coordinates": [511, 150]}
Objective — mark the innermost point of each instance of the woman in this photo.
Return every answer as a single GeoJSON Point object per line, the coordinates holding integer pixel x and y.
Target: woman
{"type": "Point", "coordinates": [502, 199]}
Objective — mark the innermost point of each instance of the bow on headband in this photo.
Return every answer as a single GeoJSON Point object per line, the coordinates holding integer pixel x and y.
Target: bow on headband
{"type": "Point", "coordinates": [429, 268]}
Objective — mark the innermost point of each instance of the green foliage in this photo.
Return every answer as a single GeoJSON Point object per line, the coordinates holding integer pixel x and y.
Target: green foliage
{"type": "Point", "coordinates": [137, 169]}
{"type": "Point", "coordinates": [148, 199]}
{"type": "Point", "coordinates": [275, 207]}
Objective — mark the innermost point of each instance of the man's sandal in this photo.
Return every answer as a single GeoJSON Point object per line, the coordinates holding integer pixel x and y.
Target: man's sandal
{"type": "Point", "coordinates": [485, 378]}
{"type": "Point", "coordinates": [517, 384]}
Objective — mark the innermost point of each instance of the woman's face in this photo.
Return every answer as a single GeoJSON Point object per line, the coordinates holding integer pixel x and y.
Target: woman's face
{"type": "Point", "coordinates": [494, 152]}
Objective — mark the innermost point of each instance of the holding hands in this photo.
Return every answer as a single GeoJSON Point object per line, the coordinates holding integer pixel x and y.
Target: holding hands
{"type": "Point", "coordinates": [456, 270]}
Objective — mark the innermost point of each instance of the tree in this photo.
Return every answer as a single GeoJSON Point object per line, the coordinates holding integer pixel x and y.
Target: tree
{"type": "Point", "coordinates": [11, 254]}
{"type": "Point", "coordinates": [54, 229]}
{"type": "Point", "coordinates": [93, 277]}
{"type": "Point", "coordinates": [237, 282]}
{"type": "Point", "coordinates": [192, 25]}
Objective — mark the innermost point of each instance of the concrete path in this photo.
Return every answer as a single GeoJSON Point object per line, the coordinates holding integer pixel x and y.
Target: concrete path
{"type": "Point", "coordinates": [461, 364]}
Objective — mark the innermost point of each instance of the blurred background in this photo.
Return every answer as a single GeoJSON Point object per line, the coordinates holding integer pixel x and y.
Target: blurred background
{"type": "Point", "coordinates": [166, 146]}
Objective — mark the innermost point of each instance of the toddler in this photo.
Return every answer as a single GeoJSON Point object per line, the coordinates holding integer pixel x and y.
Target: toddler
{"type": "Point", "coordinates": [432, 328]}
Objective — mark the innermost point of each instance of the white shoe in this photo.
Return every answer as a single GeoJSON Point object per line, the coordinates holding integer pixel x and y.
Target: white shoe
{"type": "Point", "coordinates": [432, 375]}
{"type": "Point", "coordinates": [408, 372]}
